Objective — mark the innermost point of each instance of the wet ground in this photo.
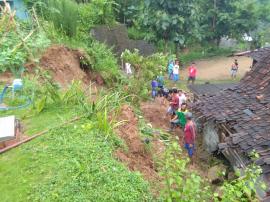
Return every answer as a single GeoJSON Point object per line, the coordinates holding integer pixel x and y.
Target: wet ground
{"type": "Point", "coordinates": [218, 68]}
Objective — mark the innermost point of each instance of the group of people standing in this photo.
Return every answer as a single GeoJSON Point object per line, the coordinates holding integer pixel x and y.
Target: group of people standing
{"type": "Point", "coordinates": [181, 117]}
{"type": "Point", "coordinates": [173, 71]}
{"type": "Point", "coordinates": [177, 111]}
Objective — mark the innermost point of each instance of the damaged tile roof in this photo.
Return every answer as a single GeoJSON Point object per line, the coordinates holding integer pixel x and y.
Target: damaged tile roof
{"type": "Point", "coordinates": [245, 110]}
{"type": "Point", "coordinates": [209, 88]}
{"type": "Point", "coordinates": [259, 54]}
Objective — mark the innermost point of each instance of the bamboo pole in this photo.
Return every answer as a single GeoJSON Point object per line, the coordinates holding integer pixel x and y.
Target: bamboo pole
{"type": "Point", "coordinates": [23, 41]}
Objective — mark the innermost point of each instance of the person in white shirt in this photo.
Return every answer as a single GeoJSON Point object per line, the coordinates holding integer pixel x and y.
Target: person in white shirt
{"type": "Point", "coordinates": [182, 98]}
{"type": "Point", "coordinates": [128, 68]}
{"type": "Point", "coordinates": [176, 71]}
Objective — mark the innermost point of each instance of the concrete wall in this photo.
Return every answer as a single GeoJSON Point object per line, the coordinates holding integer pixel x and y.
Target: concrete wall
{"type": "Point", "coordinates": [210, 137]}
{"type": "Point", "coordinates": [117, 37]}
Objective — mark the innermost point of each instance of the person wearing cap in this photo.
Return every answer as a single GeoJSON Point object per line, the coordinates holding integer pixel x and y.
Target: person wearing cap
{"type": "Point", "coordinates": [189, 136]}
{"type": "Point", "coordinates": [192, 73]}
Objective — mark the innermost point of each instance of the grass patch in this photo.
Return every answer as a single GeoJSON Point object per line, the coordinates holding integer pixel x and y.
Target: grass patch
{"type": "Point", "coordinates": [69, 164]}
{"type": "Point", "coordinates": [203, 53]}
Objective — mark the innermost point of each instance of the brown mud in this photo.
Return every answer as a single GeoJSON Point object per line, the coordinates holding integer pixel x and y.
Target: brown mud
{"type": "Point", "coordinates": [155, 113]}
{"type": "Point", "coordinates": [65, 65]}
{"type": "Point", "coordinates": [137, 158]}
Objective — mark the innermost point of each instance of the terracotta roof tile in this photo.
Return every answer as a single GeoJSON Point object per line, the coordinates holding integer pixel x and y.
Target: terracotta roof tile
{"type": "Point", "coordinates": [240, 109]}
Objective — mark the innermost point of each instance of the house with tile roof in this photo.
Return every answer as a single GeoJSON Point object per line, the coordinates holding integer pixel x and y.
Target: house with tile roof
{"type": "Point", "coordinates": [237, 120]}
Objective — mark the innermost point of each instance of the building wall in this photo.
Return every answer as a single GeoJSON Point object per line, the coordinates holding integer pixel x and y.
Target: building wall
{"type": "Point", "coordinates": [210, 137]}
{"type": "Point", "coordinates": [117, 37]}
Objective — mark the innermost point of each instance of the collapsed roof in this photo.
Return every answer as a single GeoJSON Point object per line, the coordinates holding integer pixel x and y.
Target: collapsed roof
{"type": "Point", "coordinates": [244, 110]}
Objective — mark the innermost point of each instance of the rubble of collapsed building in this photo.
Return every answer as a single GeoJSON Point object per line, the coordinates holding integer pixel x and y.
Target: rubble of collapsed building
{"type": "Point", "coordinates": [236, 118]}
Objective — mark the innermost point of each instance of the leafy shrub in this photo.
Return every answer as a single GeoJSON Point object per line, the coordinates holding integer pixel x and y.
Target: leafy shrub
{"type": "Point", "coordinates": [17, 43]}
{"type": "Point", "coordinates": [181, 184]}
{"type": "Point", "coordinates": [104, 62]}
{"type": "Point", "coordinates": [136, 34]}
{"type": "Point", "coordinates": [96, 12]}
{"type": "Point", "coordinates": [104, 10]}
{"type": "Point", "coordinates": [63, 14]}
{"type": "Point", "coordinates": [145, 69]}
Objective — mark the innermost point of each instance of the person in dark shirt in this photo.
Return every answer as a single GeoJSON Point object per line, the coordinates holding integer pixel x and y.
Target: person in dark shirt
{"type": "Point", "coordinates": [154, 85]}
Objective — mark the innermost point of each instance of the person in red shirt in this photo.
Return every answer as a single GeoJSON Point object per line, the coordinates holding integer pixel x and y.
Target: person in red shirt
{"type": "Point", "coordinates": [192, 73]}
{"type": "Point", "coordinates": [174, 104]}
{"type": "Point", "coordinates": [189, 136]}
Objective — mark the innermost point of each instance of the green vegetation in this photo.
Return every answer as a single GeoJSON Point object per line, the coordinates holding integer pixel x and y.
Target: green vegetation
{"type": "Point", "coordinates": [104, 62]}
{"type": "Point", "coordinates": [73, 157]}
{"type": "Point", "coordinates": [186, 24]}
{"type": "Point", "coordinates": [183, 184]}
{"type": "Point", "coordinates": [63, 14]}
{"type": "Point", "coordinates": [146, 68]}
{"type": "Point", "coordinates": [180, 183]}
{"type": "Point", "coordinates": [73, 163]}
{"type": "Point", "coordinates": [18, 43]}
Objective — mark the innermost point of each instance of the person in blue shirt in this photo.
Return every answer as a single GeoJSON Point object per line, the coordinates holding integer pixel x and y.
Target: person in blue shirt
{"type": "Point", "coordinates": [170, 69]}
{"type": "Point", "coordinates": [154, 85]}
{"type": "Point", "coordinates": [160, 80]}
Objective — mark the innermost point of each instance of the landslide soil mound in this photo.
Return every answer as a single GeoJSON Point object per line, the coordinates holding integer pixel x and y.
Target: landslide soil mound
{"type": "Point", "coordinates": [65, 65]}
{"type": "Point", "coordinates": [6, 77]}
{"type": "Point", "coordinates": [137, 157]}
{"type": "Point", "coordinates": [155, 113]}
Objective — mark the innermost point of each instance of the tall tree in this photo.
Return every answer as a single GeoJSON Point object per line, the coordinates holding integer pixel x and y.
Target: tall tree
{"type": "Point", "coordinates": [227, 18]}
{"type": "Point", "coordinates": [171, 20]}
{"type": "Point", "coordinates": [128, 10]}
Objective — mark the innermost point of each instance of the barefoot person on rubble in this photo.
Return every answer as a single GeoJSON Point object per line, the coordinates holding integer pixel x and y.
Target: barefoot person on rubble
{"type": "Point", "coordinates": [190, 136]}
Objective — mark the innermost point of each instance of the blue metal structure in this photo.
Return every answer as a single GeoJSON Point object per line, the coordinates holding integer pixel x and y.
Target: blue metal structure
{"type": "Point", "coordinates": [2, 96]}
{"type": "Point", "coordinates": [19, 6]}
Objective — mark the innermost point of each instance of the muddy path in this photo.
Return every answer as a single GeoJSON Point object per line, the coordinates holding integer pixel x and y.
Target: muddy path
{"type": "Point", "coordinates": [218, 68]}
